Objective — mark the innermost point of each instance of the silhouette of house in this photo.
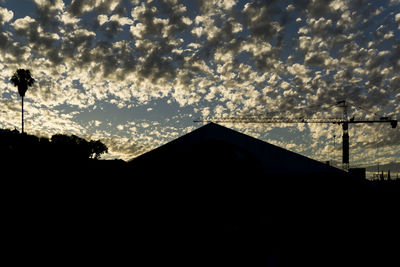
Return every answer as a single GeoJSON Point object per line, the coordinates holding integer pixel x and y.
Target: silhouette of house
{"type": "Point", "coordinates": [215, 149]}
{"type": "Point", "coordinates": [239, 200]}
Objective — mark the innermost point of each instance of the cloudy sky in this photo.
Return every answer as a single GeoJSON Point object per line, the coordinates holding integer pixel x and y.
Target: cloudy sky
{"type": "Point", "coordinates": [135, 74]}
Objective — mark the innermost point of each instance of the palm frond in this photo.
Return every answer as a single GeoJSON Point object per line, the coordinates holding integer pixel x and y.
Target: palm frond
{"type": "Point", "coordinates": [23, 79]}
{"type": "Point", "coordinates": [14, 80]}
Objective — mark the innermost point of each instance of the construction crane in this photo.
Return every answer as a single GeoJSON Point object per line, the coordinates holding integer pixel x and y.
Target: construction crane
{"type": "Point", "coordinates": [341, 121]}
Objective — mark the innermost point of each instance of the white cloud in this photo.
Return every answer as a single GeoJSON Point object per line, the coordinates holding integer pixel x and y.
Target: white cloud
{"type": "Point", "coordinates": [290, 8]}
{"type": "Point", "coordinates": [78, 7]}
{"type": "Point", "coordinates": [53, 5]}
{"type": "Point", "coordinates": [187, 20]}
{"type": "Point", "coordinates": [388, 35]}
{"type": "Point", "coordinates": [394, 2]}
{"type": "Point", "coordinates": [5, 15]}
{"type": "Point", "coordinates": [138, 30]}
{"type": "Point", "coordinates": [102, 19]}
{"type": "Point", "coordinates": [22, 24]}
{"type": "Point", "coordinates": [300, 71]}
{"type": "Point", "coordinates": [198, 31]}
{"type": "Point", "coordinates": [338, 5]}
{"type": "Point", "coordinates": [137, 10]}
{"type": "Point", "coordinates": [226, 4]}
{"type": "Point", "coordinates": [107, 5]}
{"type": "Point", "coordinates": [121, 20]}
{"type": "Point", "coordinates": [67, 18]}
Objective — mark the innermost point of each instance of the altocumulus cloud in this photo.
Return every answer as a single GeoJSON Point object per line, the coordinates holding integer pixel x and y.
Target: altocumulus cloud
{"type": "Point", "coordinates": [96, 61]}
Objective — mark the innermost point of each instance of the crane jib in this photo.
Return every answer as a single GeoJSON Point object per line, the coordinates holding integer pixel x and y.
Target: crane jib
{"type": "Point", "coordinates": [295, 120]}
{"type": "Point", "coordinates": [344, 122]}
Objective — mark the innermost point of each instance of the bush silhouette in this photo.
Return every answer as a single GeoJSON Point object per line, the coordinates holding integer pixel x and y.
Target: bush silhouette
{"type": "Point", "coordinates": [23, 147]}
{"type": "Point", "coordinates": [72, 146]}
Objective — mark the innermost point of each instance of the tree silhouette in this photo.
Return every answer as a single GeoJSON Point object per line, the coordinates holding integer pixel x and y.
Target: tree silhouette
{"type": "Point", "coordinates": [23, 79]}
{"type": "Point", "coordinates": [74, 147]}
{"type": "Point", "coordinates": [97, 148]}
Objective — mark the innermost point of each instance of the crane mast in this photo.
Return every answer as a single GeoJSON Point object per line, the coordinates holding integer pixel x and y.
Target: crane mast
{"type": "Point", "coordinates": [345, 138]}
{"type": "Point", "coordinates": [341, 121]}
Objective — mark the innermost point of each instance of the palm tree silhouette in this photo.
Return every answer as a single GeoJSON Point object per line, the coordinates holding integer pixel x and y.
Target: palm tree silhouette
{"type": "Point", "coordinates": [23, 79]}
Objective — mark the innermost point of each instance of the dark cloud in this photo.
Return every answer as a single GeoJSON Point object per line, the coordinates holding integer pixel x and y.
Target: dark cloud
{"type": "Point", "coordinates": [224, 39]}
{"type": "Point", "coordinates": [160, 23]}
{"type": "Point", "coordinates": [147, 16]}
{"type": "Point", "coordinates": [301, 4]}
{"type": "Point", "coordinates": [395, 85]}
{"type": "Point", "coordinates": [81, 40]}
{"type": "Point", "coordinates": [79, 7]}
{"type": "Point", "coordinates": [111, 29]}
{"type": "Point", "coordinates": [105, 6]}
{"type": "Point", "coordinates": [43, 89]}
{"type": "Point", "coordinates": [267, 60]}
{"type": "Point", "coordinates": [128, 60]}
{"type": "Point", "coordinates": [258, 19]}
{"type": "Point", "coordinates": [205, 5]}
{"type": "Point", "coordinates": [156, 66]}
{"type": "Point", "coordinates": [5, 41]}
{"type": "Point", "coordinates": [46, 15]}
{"type": "Point", "coordinates": [76, 8]}
{"type": "Point", "coordinates": [121, 9]}
{"type": "Point", "coordinates": [319, 8]}
{"type": "Point", "coordinates": [41, 42]}
{"type": "Point", "coordinates": [394, 57]}
{"type": "Point", "coordinates": [17, 53]}
{"type": "Point", "coordinates": [376, 78]}
{"type": "Point", "coordinates": [375, 61]}
{"type": "Point", "coordinates": [353, 53]}
{"type": "Point", "coordinates": [5, 38]}
{"type": "Point", "coordinates": [108, 56]}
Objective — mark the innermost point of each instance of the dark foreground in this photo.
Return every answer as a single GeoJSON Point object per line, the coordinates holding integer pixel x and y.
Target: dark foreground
{"type": "Point", "coordinates": [107, 213]}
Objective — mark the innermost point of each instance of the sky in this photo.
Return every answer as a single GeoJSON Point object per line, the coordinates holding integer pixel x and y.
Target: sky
{"type": "Point", "coordinates": [135, 74]}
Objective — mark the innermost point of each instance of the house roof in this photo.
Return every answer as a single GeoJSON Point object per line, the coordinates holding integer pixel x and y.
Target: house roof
{"type": "Point", "coordinates": [215, 143]}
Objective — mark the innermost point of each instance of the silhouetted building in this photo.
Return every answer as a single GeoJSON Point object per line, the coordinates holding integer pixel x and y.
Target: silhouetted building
{"type": "Point", "coordinates": [243, 201]}
{"type": "Point", "coordinates": [215, 149]}
{"type": "Point", "coordinates": [358, 172]}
